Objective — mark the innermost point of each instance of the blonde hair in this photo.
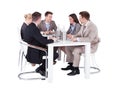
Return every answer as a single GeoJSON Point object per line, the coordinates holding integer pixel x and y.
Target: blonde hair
{"type": "Point", "coordinates": [28, 16]}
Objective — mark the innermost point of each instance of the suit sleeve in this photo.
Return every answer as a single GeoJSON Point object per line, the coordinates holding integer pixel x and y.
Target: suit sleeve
{"type": "Point", "coordinates": [90, 37]}
{"type": "Point", "coordinates": [68, 31]}
{"type": "Point", "coordinates": [42, 40]}
{"type": "Point", "coordinates": [78, 28]}
{"type": "Point", "coordinates": [54, 25]}
{"type": "Point", "coordinates": [40, 27]}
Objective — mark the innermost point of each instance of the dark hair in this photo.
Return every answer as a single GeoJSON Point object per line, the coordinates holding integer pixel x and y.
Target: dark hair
{"type": "Point", "coordinates": [36, 16]}
{"type": "Point", "coordinates": [48, 12]}
{"type": "Point", "coordinates": [85, 14]}
{"type": "Point", "coordinates": [74, 17]}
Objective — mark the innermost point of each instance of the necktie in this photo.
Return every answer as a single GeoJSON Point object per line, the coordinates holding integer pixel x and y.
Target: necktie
{"type": "Point", "coordinates": [82, 30]}
{"type": "Point", "coordinates": [84, 27]}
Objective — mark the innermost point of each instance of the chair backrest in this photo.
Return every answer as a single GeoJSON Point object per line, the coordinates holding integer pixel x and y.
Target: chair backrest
{"type": "Point", "coordinates": [33, 46]}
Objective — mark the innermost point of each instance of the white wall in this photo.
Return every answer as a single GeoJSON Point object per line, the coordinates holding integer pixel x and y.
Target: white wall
{"type": "Point", "coordinates": [104, 13]}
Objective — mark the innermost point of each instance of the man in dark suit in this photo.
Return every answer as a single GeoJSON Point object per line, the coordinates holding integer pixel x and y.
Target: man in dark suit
{"type": "Point", "coordinates": [33, 36]}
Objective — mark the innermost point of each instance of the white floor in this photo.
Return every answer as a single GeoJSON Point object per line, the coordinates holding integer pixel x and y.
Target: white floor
{"type": "Point", "coordinates": [104, 79]}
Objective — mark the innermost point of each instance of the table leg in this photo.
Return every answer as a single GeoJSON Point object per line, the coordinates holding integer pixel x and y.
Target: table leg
{"type": "Point", "coordinates": [87, 60]}
{"type": "Point", "coordinates": [50, 63]}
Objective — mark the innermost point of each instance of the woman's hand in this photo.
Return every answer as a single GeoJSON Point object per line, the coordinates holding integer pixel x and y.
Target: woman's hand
{"type": "Point", "coordinates": [69, 36]}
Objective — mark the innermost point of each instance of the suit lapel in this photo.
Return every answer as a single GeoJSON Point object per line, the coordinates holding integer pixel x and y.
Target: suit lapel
{"type": "Point", "coordinates": [44, 25]}
{"type": "Point", "coordinates": [50, 26]}
{"type": "Point", "coordinates": [81, 31]}
{"type": "Point", "coordinates": [74, 30]}
{"type": "Point", "coordinates": [86, 31]}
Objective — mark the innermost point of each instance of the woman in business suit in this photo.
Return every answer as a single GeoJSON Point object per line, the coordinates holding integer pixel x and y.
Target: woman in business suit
{"type": "Point", "coordinates": [74, 25]}
{"type": "Point", "coordinates": [28, 20]}
{"type": "Point", "coordinates": [73, 28]}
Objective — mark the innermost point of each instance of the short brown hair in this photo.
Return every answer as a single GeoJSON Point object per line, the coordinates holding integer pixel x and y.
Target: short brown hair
{"type": "Point", "coordinates": [48, 12]}
{"type": "Point", "coordinates": [85, 14]}
{"type": "Point", "coordinates": [36, 16]}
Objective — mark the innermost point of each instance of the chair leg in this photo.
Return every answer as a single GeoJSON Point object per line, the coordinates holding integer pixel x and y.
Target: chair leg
{"type": "Point", "coordinates": [64, 57]}
{"type": "Point", "coordinates": [94, 65]}
{"type": "Point", "coordinates": [46, 65]}
{"type": "Point", "coordinates": [93, 60]}
{"type": "Point", "coordinates": [19, 57]}
{"type": "Point", "coordinates": [31, 72]}
{"type": "Point", "coordinates": [22, 60]}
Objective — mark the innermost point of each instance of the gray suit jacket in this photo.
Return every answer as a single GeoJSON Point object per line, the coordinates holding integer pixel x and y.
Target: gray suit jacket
{"type": "Point", "coordinates": [76, 29]}
{"type": "Point", "coordinates": [89, 35]}
{"type": "Point", "coordinates": [42, 26]}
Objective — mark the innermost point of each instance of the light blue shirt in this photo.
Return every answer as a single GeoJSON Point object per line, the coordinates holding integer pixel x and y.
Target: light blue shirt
{"type": "Point", "coordinates": [47, 26]}
{"type": "Point", "coordinates": [72, 27]}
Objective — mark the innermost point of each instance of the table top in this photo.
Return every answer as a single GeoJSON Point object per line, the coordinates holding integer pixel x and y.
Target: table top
{"type": "Point", "coordinates": [68, 43]}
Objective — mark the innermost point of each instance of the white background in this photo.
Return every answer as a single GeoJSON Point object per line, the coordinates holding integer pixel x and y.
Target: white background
{"type": "Point", "coordinates": [104, 13]}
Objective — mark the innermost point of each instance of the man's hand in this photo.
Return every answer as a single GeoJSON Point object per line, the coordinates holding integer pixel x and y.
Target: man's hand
{"type": "Point", "coordinates": [74, 39]}
{"type": "Point", "coordinates": [53, 38]}
{"type": "Point", "coordinates": [46, 32]}
{"type": "Point", "coordinates": [51, 32]}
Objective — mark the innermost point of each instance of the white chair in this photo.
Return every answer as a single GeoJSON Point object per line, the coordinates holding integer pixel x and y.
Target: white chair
{"type": "Point", "coordinates": [20, 62]}
{"type": "Point", "coordinates": [93, 64]}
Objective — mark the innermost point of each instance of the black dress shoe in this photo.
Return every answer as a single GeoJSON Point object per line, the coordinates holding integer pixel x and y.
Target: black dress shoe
{"type": "Point", "coordinates": [75, 71]}
{"type": "Point", "coordinates": [69, 67]}
{"type": "Point", "coordinates": [40, 70]}
{"type": "Point", "coordinates": [54, 62]}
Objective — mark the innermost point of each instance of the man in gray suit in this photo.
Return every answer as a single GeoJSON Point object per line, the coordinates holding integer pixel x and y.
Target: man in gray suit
{"type": "Point", "coordinates": [87, 33]}
{"type": "Point", "coordinates": [48, 25]}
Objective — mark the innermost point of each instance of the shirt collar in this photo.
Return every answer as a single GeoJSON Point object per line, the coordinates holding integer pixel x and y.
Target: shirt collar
{"type": "Point", "coordinates": [35, 23]}
{"type": "Point", "coordinates": [73, 25]}
{"type": "Point", "coordinates": [87, 23]}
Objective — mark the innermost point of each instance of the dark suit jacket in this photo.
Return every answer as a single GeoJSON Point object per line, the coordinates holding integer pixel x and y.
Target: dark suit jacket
{"type": "Point", "coordinates": [24, 25]}
{"type": "Point", "coordinates": [42, 26]}
{"type": "Point", "coordinates": [33, 36]}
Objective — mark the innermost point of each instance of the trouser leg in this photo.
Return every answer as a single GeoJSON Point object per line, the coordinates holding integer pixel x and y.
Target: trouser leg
{"type": "Point", "coordinates": [77, 55]}
{"type": "Point", "coordinates": [69, 54]}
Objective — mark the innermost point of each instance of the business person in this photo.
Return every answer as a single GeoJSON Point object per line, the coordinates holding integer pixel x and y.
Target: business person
{"type": "Point", "coordinates": [34, 37]}
{"type": "Point", "coordinates": [73, 28]}
{"type": "Point", "coordinates": [88, 33]}
{"type": "Point", "coordinates": [28, 20]}
{"type": "Point", "coordinates": [74, 24]}
{"type": "Point", "coordinates": [48, 25]}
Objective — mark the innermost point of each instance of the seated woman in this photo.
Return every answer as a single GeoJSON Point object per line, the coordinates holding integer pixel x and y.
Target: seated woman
{"type": "Point", "coordinates": [28, 20]}
{"type": "Point", "coordinates": [74, 27]}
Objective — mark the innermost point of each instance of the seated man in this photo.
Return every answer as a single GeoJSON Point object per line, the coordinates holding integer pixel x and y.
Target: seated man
{"type": "Point", "coordinates": [34, 37]}
{"type": "Point", "coordinates": [87, 33]}
{"type": "Point", "coordinates": [47, 25]}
